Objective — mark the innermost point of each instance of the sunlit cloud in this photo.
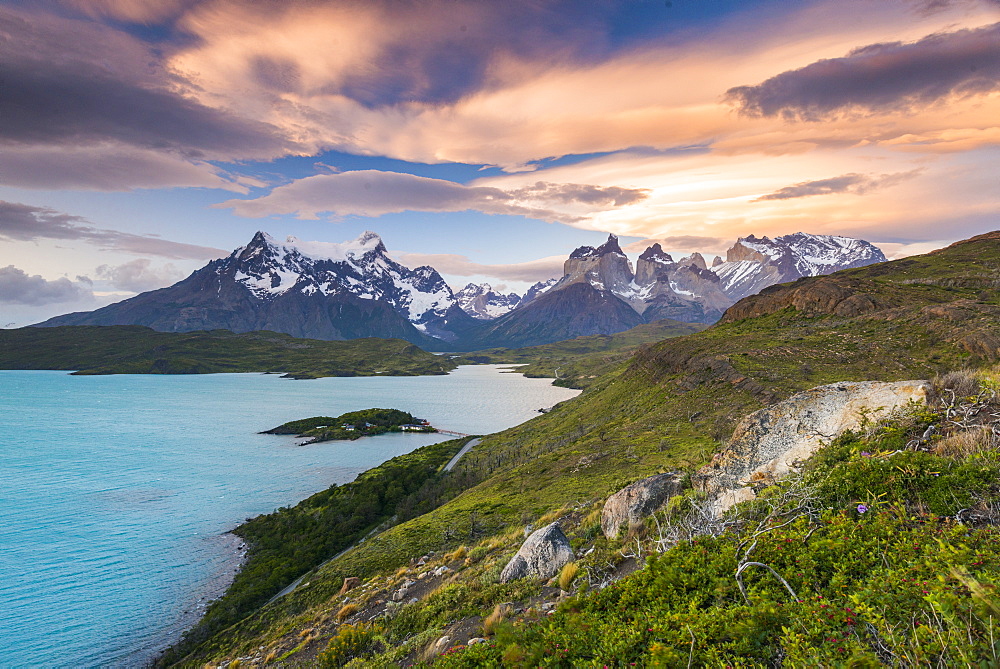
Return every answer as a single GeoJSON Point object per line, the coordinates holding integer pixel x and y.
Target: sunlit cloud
{"type": "Point", "coordinates": [553, 98]}
{"type": "Point", "coordinates": [683, 244]}
{"type": "Point", "coordinates": [374, 193]}
{"type": "Point", "coordinates": [722, 197]}
{"type": "Point", "coordinates": [856, 184]}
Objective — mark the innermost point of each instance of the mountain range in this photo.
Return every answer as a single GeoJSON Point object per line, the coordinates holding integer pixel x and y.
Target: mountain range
{"type": "Point", "coordinates": [350, 290]}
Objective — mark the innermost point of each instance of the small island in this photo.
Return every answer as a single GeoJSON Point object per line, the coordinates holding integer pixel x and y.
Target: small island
{"type": "Point", "coordinates": [352, 425]}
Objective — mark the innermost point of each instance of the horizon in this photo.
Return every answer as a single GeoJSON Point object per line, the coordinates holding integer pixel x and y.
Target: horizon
{"type": "Point", "coordinates": [142, 140]}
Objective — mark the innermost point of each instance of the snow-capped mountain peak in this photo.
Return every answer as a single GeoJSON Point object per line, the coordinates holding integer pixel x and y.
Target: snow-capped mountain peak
{"type": "Point", "coordinates": [361, 267]}
{"type": "Point", "coordinates": [482, 303]}
{"type": "Point", "coordinates": [754, 263]}
{"type": "Point", "coordinates": [610, 246]}
{"type": "Point", "coordinates": [655, 253]}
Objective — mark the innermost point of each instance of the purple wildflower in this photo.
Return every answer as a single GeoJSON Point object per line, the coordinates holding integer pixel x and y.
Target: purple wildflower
{"type": "Point", "coordinates": [862, 508]}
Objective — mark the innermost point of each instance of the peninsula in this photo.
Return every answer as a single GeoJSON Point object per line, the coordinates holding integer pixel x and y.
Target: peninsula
{"type": "Point", "coordinates": [134, 349]}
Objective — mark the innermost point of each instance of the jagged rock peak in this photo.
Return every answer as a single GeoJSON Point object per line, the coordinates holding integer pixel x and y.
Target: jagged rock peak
{"type": "Point", "coordinates": [695, 259]}
{"type": "Point", "coordinates": [610, 246]}
{"type": "Point", "coordinates": [655, 253]}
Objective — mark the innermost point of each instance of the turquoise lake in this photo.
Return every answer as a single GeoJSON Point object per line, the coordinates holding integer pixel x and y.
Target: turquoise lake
{"type": "Point", "coordinates": [116, 492]}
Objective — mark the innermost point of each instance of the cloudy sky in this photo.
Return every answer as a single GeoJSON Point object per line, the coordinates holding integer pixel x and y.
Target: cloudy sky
{"type": "Point", "coordinates": [141, 138]}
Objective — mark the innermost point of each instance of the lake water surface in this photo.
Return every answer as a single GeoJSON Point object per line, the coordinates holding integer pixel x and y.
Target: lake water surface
{"type": "Point", "coordinates": [116, 491]}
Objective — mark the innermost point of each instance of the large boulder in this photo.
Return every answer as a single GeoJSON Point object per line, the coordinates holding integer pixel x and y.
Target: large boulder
{"type": "Point", "coordinates": [630, 505]}
{"type": "Point", "coordinates": [768, 443]}
{"type": "Point", "coordinates": [542, 555]}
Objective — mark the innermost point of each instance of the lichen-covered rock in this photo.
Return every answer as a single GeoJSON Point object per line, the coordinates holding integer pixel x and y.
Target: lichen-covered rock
{"type": "Point", "coordinates": [630, 505]}
{"type": "Point", "coordinates": [541, 555]}
{"type": "Point", "coordinates": [768, 443]}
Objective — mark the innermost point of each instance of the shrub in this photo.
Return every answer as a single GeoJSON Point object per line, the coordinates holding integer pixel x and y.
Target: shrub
{"type": "Point", "coordinates": [566, 576]}
{"type": "Point", "coordinates": [962, 382]}
{"type": "Point", "coordinates": [346, 612]}
{"type": "Point", "coordinates": [457, 554]}
{"type": "Point", "coordinates": [492, 621]}
{"type": "Point", "coordinates": [477, 554]}
{"type": "Point", "coordinates": [974, 441]}
{"type": "Point", "coordinates": [350, 642]}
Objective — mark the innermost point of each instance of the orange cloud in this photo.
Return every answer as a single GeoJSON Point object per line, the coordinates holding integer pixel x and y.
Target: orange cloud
{"type": "Point", "coordinates": [321, 74]}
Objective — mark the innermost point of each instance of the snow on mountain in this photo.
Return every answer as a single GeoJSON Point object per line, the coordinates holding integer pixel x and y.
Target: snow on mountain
{"type": "Point", "coordinates": [689, 290]}
{"type": "Point", "coordinates": [753, 264]}
{"type": "Point", "coordinates": [267, 267]}
{"type": "Point", "coordinates": [482, 303]}
{"type": "Point", "coordinates": [537, 289]}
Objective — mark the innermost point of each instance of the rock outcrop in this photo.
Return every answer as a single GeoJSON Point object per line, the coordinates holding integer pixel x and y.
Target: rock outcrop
{"type": "Point", "coordinates": [541, 555]}
{"type": "Point", "coordinates": [769, 443]}
{"type": "Point", "coordinates": [633, 503]}
{"type": "Point", "coordinates": [813, 297]}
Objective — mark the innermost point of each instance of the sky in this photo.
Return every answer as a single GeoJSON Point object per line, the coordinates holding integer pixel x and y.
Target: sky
{"type": "Point", "coordinates": [140, 139]}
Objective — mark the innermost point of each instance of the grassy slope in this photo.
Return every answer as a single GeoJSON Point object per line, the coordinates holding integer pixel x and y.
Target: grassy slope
{"type": "Point", "coordinates": [132, 349]}
{"type": "Point", "coordinates": [673, 403]}
{"type": "Point", "coordinates": [880, 572]}
{"type": "Point", "coordinates": [574, 363]}
{"type": "Point", "coordinates": [287, 543]}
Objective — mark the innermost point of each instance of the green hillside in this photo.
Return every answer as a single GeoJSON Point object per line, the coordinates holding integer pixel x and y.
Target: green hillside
{"type": "Point", "coordinates": [670, 407]}
{"type": "Point", "coordinates": [575, 363]}
{"type": "Point", "coordinates": [133, 349]}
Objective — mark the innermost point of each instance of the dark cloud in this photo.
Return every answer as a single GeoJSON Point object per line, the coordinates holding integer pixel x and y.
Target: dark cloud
{"type": "Point", "coordinates": [139, 275]}
{"type": "Point", "coordinates": [134, 11]}
{"type": "Point", "coordinates": [72, 83]}
{"type": "Point", "coordinates": [17, 287]}
{"type": "Point", "coordinates": [856, 184]}
{"type": "Point", "coordinates": [880, 78]}
{"type": "Point", "coordinates": [22, 222]}
{"type": "Point", "coordinates": [432, 51]}
{"type": "Point", "coordinates": [445, 50]}
{"type": "Point", "coordinates": [927, 7]}
{"type": "Point", "coordinates": [106, 167]}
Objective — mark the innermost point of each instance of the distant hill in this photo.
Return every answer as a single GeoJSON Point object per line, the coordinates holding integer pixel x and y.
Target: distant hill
{"type": "Point", "coordinates": [575, 363]}
{"type": "Point", "coordinates": [131, 349]}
